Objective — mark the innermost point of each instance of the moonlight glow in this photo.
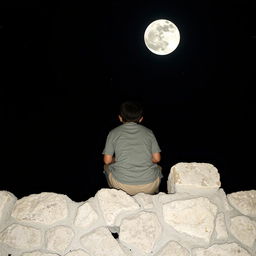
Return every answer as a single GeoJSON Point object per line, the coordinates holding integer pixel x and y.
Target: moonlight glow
{"type": "Point", "coordinates": [162, 37]}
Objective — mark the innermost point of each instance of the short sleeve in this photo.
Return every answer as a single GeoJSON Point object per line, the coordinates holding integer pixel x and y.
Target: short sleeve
{"type": "Point", "coordinates": [155, 146]}
{"type": "Point", "coordinates": [109, 147]}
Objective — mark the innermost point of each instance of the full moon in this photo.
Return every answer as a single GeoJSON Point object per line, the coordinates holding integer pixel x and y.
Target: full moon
{"type": "Point", "coordinates": [162, 37]}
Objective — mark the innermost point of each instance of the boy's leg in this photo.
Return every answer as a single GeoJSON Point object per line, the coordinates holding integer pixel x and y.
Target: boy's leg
{"type": "Point", "coordinates": [150, 188]}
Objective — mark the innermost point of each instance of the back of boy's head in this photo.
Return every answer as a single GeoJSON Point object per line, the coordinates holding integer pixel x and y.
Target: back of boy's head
{"type": "Point", "coordinates": [131, 111]}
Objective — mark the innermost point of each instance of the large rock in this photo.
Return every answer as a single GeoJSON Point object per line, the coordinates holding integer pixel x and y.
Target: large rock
{"type": "Point", "coordinates": [221, 228]}
{"type": "Point", "coordinates": [44, 208]}
{"type": "Point", "coordinates": [6, 199]}
{"type": "Point", "coordinates": [231, 249]}
{"type": "Point", "coordinates": [38, 253]}
{"type": "Point", "coordinates": [59, 238]}
{"type": "Point", "coordinates": [244, 202]}
{"type": "Point", "coordinates": [100, 242]}
{"type": "Point", "coordinates": [86, 216]}
{"type": "Point", "coordinates": [114, 202]}
{"type": "Point", "coordinates": [21, 237]}
{"type": "Point", "coordinates": [173, 249]}
{"type": "Point", "coordinates": [244, 230]}
{"type": "Point", "coordinates": [140, 232]}
{"type": "Point", "coordinates": [194, 217]}
{"type": "Point", "coordinates": [193, 178]}
{"type": "Point", "coordinates": [77, 253]}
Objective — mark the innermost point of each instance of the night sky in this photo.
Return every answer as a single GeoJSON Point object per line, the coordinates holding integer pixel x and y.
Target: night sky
{"type": "Point", "coordinates": [66, 69]}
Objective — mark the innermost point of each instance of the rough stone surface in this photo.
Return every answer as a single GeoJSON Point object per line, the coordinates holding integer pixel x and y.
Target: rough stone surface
{"type": "Point", "coordinates": [144, 200]}
{"type": "Point", "coordinates": [38, 253]}
{"type": "Point", "coordinates": [140, 232]}
{"type": "Point", "coordinates": [86, 216]}
{"type": "Point", "coordinates": [173, 249]}
{"type": "Point", "coordinates": [114, 202]}
{"type": "Point", "coordinates": [224, 200]}
{"type": "Point", "coordinates": [44, 208]}
{"type": "Point", "coordinates": [100, 242]}
{"type": "Point", "coordinates": [193, 178]}
{"type": "Point", "coordinates": [59, 238]}
{"type": "Point", "coordinates": [194, 217]}
{"type": "Point", "coordinates": [244, 230]}
{"type": "Point", "coordinates": [221, 229]}
{"type": "Point", "coordinates": [5, 199]}
{"type": "Point", "coordinates": [21, 237]}
{"type": "Point", "coordinates": [77, 253]}
{"type": "Point", "coordinates": [231, 249]}
{"type": "Point", "coordinates": [244, 202]}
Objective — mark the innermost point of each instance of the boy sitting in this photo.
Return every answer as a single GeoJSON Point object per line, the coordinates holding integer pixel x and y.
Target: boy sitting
{"type": "Point", "coordinates": [131, 154]}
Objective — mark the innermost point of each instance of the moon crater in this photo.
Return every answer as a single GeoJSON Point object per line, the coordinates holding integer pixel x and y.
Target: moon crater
{"type": "Point", "coordinates": [161, 37]}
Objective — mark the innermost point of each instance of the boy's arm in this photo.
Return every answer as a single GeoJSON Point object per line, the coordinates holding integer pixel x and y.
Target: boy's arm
{"type": "Point", "coordinates": [156, 157]}
{"type": "Point", "coordinates": [108, 159]}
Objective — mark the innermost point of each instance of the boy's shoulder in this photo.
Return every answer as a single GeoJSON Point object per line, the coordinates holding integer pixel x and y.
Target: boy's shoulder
{"type": "Point", "coordinates": [123, 127]}
{"type": "Point", "coordinates": [144, 128]}
{"type": "Point", "coordinates": [116, 129]}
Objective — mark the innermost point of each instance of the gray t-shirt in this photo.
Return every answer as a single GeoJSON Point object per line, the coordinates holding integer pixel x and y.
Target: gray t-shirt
{"type": "Point", "coordinates": [133, 145]}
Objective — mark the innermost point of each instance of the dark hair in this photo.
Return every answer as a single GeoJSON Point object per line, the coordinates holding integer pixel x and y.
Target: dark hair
{"type": "Point", "coordinates": [131, 111]}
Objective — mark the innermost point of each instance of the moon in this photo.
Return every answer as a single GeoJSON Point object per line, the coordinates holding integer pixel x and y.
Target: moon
{"type": "Point", "coordinates": [162, 37]}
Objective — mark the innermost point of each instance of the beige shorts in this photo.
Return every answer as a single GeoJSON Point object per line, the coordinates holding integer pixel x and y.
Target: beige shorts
{"type": "Point", "coordinates": [150, 188]}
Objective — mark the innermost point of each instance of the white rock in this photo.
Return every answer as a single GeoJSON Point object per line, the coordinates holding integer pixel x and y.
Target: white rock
{"type": "Point", "coordinates": [86, 216]}
{"type": "Point", "coordinates": [244, 230]}
{"type": "Point", "coordinates": [173, 249]}
{"type": "Point", "coordinates": [100, 242]}
{"type": "Point", "coordinates": [223, 200]}
{"type": "Point", "coordinates": [193, 178]}
{"type": "Point", "coordinates": [6, 198]}
{"type": "Point", "coordinates": [244, 202]}
{"type": "Point", "coordinates": [45, 208]}
{"type": "Point", "coordinates": [38, 253]}
{"type": "Point", "coordinates": [114, 202]}
{"type": "Point", "coordinates": [59, 238]}
{"type": "Point", "coordinates": [231, 249]}
{"type": "Point", "coordinates": [194, 217]}
{"type": "Point", "coordinates": [221, 229]}
{"type": "Point", "coordinates": [21, 237]}
{"type": "Point", "coordinates": [145, 200]}
{"type": "Point", "coordinates": [77, 253]}
{"type": "Point", "coordinates": [141, 231]}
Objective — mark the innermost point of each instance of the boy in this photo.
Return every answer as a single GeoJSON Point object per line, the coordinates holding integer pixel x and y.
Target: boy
{"type": "Point", "coordinates": [131, 154]}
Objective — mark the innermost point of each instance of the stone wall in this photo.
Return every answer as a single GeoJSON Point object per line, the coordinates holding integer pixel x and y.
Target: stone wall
{"type": "Point", "coordinates": [195, 218]}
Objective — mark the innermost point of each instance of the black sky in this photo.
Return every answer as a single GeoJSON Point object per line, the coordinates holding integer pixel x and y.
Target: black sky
{"type": "Point", "coordinates": [66, 69]}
